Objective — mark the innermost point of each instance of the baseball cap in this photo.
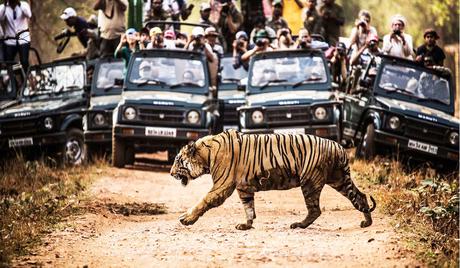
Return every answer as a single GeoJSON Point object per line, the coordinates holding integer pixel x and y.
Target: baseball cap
{"type": "Point", "coordinates": [261, 34]}
{"type": "Point", "coordinates": [170, 34]}
{"type": "Point", "coordinates": [155, 30]}
{"type": "Point", "coordinates": [431, 31]}
{"type": "Point", "coordinates": [130, 32]}
{"type": "Point", "coordinates": [68, 12]}
{"type": "Point", "coordinates": [241, 34]}
{"type": "Point", "coordinates": [277, 2]}
{"type": "Point", "coordinates": [197, 31]}
{"type": "Point", "coordinates": [205, 6]}
{"type": "Point", "coordinates": [210, 31]}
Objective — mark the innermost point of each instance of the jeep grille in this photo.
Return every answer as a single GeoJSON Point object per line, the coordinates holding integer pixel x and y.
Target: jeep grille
{"type": "Point", "coordinates": [19, 127]}
{"type": "Point", "coordinates": [425, 132]}
{"type": "Point", "coordinates": [288, 115]}
{"type": "Point", "coordinates": [231, 114]}
{"type": "Point", "coordinates": [161, 116]}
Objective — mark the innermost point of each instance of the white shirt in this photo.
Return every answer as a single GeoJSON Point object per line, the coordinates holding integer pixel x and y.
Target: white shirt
{"type": "Point", "coordinates": [395, 47]}
{"type": "Point", "coordinates": [14, 26]}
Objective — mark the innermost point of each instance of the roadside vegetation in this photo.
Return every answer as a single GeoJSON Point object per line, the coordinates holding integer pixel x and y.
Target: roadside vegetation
{"type": "Point", "coordinates": [425, 206]}
{"type": "Point", "coordinates": [33, 198]}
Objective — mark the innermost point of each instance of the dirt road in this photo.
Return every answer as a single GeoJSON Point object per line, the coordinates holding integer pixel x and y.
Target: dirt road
{"type": "Point", "coordinates": [104, 239]}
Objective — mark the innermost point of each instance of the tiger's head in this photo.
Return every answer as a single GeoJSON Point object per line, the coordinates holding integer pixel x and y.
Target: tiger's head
{"type": "Point", "coordinates": [188, 164]}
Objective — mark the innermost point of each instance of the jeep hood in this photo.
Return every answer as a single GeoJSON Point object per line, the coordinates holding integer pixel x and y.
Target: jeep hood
{"type": "Point", "coordinates": [162, 98]}
{"type": "Point", "coordinates": [25, 109]}
{"type": "Point", "coordinates": [289, 97]}
{"type": "Point", "coordinates": [418, 111]}
{"type": "Point", "coordinates": [104, 102]}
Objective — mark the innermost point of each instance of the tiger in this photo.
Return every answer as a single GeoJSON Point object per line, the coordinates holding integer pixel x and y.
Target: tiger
{"type": "Point", "coordinates": [260, 162]}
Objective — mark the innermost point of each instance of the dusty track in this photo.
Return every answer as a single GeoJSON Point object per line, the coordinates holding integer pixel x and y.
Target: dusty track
{"type": "Point", "coordinates": [102, 239]}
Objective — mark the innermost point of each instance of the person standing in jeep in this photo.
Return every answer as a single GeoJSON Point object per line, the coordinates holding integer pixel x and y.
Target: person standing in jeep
{"type": "Point", "coordinates": [430, 49]}
{"type": "Point", "coordinates": [229, 22]}
{"type": "Point", "coordinates": [15, 15]}
{"type": "Point", "coordinates": [333, 18]}
{"type": "Point", "coordinates": [111, 22]}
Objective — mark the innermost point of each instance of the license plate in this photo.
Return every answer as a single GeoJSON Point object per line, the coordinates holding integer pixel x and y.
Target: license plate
{"type": "Point", "coordinates": [425, 147]}
{"type": "Point", "coordinates": [160, 131]}
{"type": "Point", "coordinates": [20, 142]}
{"type": "Point", "coordinates": [292, 131]}
{"type": "Point", "coordinates": [230, 127]}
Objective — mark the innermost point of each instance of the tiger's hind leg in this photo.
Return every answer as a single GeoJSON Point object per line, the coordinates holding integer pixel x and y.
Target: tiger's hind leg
{"type": "Point", "coordinates": [311, 195]}
{"type": "Point", "coordinates": [248, 202]}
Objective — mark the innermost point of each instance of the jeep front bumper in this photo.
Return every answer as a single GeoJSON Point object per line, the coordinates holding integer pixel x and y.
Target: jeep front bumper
{"type": "Point", "coordinates": [33, 140]}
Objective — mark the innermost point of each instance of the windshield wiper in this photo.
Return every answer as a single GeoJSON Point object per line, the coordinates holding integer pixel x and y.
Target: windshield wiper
{"type": "Point", "coordinates": [271, 82]}
{"type": "Point", "coordinates": [433, 100]}
{"type": "Point", "coordinates": [147, 81]}
{"type": "Point", "coordinates": [190, 84]}
{"type": "Point", "coordinates": [310, 79]}
{"type": "Point", "coordinates": [108, 88]}
{"type": "Point", "coordinates": [392, 89]}
{"type": "Point", "coordinates": [231, 79]}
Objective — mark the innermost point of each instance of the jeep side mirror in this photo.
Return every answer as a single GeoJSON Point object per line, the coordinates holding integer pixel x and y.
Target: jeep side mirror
{"type": "Point", "coordinates": [118, 82]}
{"type": "Point", "coordinates": [241, 87]}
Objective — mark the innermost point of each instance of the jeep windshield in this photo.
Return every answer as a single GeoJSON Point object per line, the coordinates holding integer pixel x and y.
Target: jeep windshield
{"type": "Point", "coordinates": [229, 74]}
{"type": "Point", "coordinates": [421, 84]}
{"type": "Point", "coordinates": [288, 73]}
{"type": "Point", "coordinates": [109, 78]}
{"type": "Point", "coordinates": [54, 80]}
{"type": "Point", "coordinates": [168, 74]}
{"type": "Point", "coordinates": [6, 88]}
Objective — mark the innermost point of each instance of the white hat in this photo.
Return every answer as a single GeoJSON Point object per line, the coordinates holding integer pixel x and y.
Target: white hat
{"type": "Point", "coordinates": [68, 12]}
{"type": "Point", "coordinates": [205, 6]}
{"type": "Point", "coordinates": [144, 64]}
{"type": "Point", "coordinates": [198, 31]}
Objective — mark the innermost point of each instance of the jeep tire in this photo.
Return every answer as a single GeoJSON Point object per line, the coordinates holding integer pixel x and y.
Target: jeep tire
{"type": "Point", "coordinates": [366, 147]}
{"type": "Point", "coordinates": [73, 150]}
{"type": "Point", "coordinates": [118, 152]}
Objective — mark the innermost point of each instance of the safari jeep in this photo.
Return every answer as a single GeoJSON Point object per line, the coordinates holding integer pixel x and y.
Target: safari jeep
{"type": "Point", "coordinates": [106, 89]}
{"type": "Point", "coordinates": [166, 102]}
{"type": "Point", "coordinates": [231, 91]}
{"type": "Point", "coordinates": [48, 114]}
{"type": "Point", "coordinates": [11, 80]}
{"type": "Point", "coordinates": [290, 92]}
{"type": "Point", "coordinates": [403, 108]}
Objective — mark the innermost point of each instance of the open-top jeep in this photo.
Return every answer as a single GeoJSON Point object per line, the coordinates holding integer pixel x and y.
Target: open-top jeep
{"type": "Point", "coordinates": [106, 89]}
{"type": "Point", "coordinates": [166, 102]}
{"type": "Point", "coordinates": [48, 114]}
{"type": "Point", "coordinates": [231, 91]}
{"type": "Point", "coordinates": [290, 92]}
{"type": "Point", "coordinates": [405, 108]}
{"type": "Point", "coordinates": [11, 81]}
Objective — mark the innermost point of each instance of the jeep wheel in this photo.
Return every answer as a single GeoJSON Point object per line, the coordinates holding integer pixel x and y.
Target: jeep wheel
{"type": "Point", "coordinates": [129, 155]}
{"type": "Point", "coordinates": [366, 147]}
{"type": "Point", "coordinates": [74, 148]}
{"type": "Point", "coordinates": [118, 153]}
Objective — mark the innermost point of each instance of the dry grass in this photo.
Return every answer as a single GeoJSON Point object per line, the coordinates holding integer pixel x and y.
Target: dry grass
{"type": "Point", "coordinates": [34, 197]}
{"type": "Point", "coordinates": [424, 203]}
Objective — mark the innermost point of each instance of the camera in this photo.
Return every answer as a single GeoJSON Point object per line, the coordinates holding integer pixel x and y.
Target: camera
{"type": "Point", "coordinates": [303, 45]}
{"type": "Point", "coordinates": [362, 23]}
{"type": "Point", "coordinates": [372, 43]}
{"type": "Point", "coordinates": [284, 32]}
{"type": "Point", "coordinates": [239, 43]}
{"type": "Point", "coordinates": [65, 33]}
{"type": "Point", "coordinates": [260, 42]}
{"type": "Point", "coordinates": [397, 32]}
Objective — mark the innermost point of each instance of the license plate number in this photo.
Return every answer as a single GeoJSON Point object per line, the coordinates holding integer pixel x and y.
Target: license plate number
{"type": "Point", "coordinates": [424, 147]}
{"type": "Point", "coordinates": [293, 131]}
{"type": "Point", "coordinates": [20, 142]}
{"type": "Point", "coordinates": [160, 131]}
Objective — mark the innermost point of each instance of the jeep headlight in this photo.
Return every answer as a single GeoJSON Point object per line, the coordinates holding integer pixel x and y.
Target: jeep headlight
{"type": "Point", "coordinates": [48, 123]}
{"type": "Point", "coordinates": [99, 119]}
{"type": "Point", "coordinates": [193, 117]}
{"type": "Point", "coordinates": [130, 113]}
{"type": "Point", "coordinates": [394, 122]}
{"type": "Point", "coordinates": [453, 138]}
{"type": "Point", "coordinates": [320, 113]}
{"type": "Point", "coordinates": [257, 117]}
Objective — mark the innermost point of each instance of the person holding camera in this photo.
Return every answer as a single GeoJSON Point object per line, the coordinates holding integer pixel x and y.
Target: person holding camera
{"type": "Point", "coordinates": [311, 19]}
{"type": "Point", "coordinates": [430, 53]}
{"type": "Point", "coordinates": [211, 35]}
{"type": "Point", "coordinates": [240, 46]}
{"type": "Point", "coordinates": [363, 55]}
{"type": "Point", "coordinates": [259, 24]}
{"type": "Point", "coordinates": [333, 18]}
{"type": "Point", "coordinates": [362, 30]}
{"type": "Point", "coordinates": [304, 41]}
{"type": "Point", "coordinates": [284, 39]}
{"type": "Point", "coordinates": [229, 22]}
{"type": "Point", "coordinates": [15, 15]}
{"type": "Point", "coordinates": [197, 43]}
{"type": "Point", "coordinates": [277, 22]}
{"type": "Point", "coordinates": [111, 23]}
{"type": "Point", "coordinates": [129, 43]}
{"type": "Point", "coordinates": [262, 44]}
{"type": "Point", "coordinates": [397, 43]}
{"type": "Point", "coordinates": [156, 39]}
{"type": "Point", "coordinates": [79, 24]}
{"type": "Point", "coordinates": [154, 10]}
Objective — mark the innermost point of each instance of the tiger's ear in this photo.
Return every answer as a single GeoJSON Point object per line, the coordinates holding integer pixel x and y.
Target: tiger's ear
{"type": "Point", "coordinates": [191, 148]}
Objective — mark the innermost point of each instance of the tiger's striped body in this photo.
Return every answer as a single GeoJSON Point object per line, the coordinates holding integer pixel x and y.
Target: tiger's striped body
{"type": "Point", "coordinates": [251, 163]}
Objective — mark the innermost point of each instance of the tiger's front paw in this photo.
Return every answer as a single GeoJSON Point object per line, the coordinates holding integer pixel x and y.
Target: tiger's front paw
{"type": "Point", "coordinates": [243, 226]}
{"type": "Point", "coordinates": [298, 225]}
{"type": "Point", "coordinates": [187, 219]}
